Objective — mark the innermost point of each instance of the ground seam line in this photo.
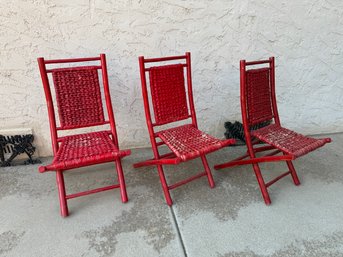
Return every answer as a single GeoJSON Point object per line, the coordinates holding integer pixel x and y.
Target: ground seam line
{"type": "Point", "coordinates": [178, 231]}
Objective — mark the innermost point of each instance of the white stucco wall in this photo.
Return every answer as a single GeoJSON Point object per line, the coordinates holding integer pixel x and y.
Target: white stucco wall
{"type": "Point", "coordinates": [306, 37]}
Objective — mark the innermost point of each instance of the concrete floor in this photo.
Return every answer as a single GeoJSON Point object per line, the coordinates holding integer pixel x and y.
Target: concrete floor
{"type": "Point", "coordinates": [229, 220]}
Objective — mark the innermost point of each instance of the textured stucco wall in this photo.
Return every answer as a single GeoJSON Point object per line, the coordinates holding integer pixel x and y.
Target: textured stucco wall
{"type": "Point", "coordinates": [306, 37]}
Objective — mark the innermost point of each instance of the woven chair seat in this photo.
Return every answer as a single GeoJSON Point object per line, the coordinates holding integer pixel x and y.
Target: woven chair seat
{"type": "Point", "coordinates": [188, 142]}
{"type": "Point", "coordinates": [288, 141]}
{"type": "Point", "coordinates": [85, 149]}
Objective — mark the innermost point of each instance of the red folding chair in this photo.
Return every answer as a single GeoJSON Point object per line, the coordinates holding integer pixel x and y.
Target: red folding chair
{"type": "Point", "coordinates": [258, 104]}
{"type": "Point", "coordinates": [171, 102]}
{"type": "Point", "coordinates": [79, 104]}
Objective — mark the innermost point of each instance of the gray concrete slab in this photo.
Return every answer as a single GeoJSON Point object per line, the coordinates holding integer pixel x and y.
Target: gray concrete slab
{"type": "Point", "coordinates": [232, 219]}
{"type": "Point", "coordinates": [229, 220]}
{"type": "Point", "coordinates": [98, 225]}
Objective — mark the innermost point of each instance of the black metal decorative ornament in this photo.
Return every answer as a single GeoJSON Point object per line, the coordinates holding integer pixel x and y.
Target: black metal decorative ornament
{"type": "Point", "coordinates": [19, 145]}
{"type": "Point", "coordinates": [235, 130]}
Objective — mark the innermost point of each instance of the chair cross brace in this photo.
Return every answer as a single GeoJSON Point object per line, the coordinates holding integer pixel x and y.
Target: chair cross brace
{"type": "Point", "coordinates": [93, 191]}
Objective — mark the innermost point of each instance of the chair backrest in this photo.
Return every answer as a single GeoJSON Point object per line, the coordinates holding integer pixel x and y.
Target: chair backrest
{"type": "Point", "coordinates": [168, 94]}
{"type": "Point", "coordinates": [166, 89]}
{"type": "Point", "coordinates": [78, 97]}
{"type": "Point", "coordinates": [77, 94]}
{"type": "Point", "coordinates": [258, 101]}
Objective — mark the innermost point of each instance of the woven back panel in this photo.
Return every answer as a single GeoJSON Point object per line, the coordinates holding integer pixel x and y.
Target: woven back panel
{"type": "Point", "coordinates": [168, 93]}
{"type": "Point", "coordinates": [258, 94]}
{"type": "Point", "coordinates": [78, 97]}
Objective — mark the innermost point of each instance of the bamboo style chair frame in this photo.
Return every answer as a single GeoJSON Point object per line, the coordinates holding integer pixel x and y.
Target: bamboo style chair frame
{"type": "Point", "coordinates": [258, 104]}
{"type": "Point", "coordinates": [171, 103]}
{"type": "Point", "coordinates": [79, 105]}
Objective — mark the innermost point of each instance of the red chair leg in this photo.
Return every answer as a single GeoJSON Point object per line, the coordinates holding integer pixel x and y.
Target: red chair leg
{"type": "Point", "coordinates": [164, 185]}
{"type": "Point", "coordinates": [208, 171]}
{"type": "Point", "coordinates": [262, 184]}
{"type": "Point", "coordinates": [62, 193]}
{"type": "Point", "coordinates": [121, 180]}
{"type": "Point", "coordinates": [293, 173]}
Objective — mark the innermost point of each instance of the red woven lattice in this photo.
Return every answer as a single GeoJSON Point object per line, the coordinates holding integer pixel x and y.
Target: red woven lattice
{"type": "Point", "coordinates": [258, 94]}
{"type": "Point", "coordinates": [188, 142]}
{"type": "Point", "coordinates": [168, 93]}
{"type": "Point", "coordinates": [85, 149]}
{"type": "Point", "coordinates": [78, 96]}
{"type": "Point", "coordinates": [288, 141]}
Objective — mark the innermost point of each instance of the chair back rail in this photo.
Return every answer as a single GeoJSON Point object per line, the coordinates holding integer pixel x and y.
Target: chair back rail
{"type": "Point", "coordinates": [258, 99]}
{"type": "Point", "coordinates": [78, 96]}
{"type": "Point", "coordinates": [165, 97]}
